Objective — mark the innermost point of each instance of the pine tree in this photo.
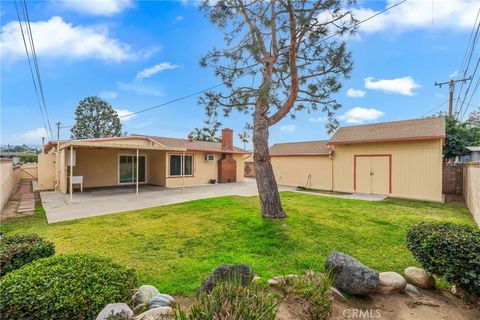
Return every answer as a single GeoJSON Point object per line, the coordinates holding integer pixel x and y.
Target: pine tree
{"type": "Point", "coordinates": [281, 56]}
{"type": "Point", "coordinates": [95, 118]}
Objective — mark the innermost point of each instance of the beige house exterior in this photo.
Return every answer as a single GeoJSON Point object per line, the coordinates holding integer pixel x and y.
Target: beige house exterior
{"type": "Point", "coordinates": [399, 159]}
{"type": "Point", "coordinates": [138, 159]}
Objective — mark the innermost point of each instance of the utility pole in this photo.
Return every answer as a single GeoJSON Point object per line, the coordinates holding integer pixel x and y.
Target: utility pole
{"type": "Point", "coordinates": [451, 85]}
{"type": "Point", "coordinates": [58, 130]}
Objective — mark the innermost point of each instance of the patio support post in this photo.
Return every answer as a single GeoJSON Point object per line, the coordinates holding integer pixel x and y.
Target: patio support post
{"type": "Point", "coordinates": [183, 170]}
{"type": "Point", "coordinates": [71, 173]}
{"type": "Point", "coordinates": [136, 187]}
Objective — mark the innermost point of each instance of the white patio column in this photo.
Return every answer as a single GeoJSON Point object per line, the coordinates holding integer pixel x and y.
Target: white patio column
{"type": "Point", "coordinates": [71, 173]}
{"type": "Point", "coordinates": [183, 170]}
{"type": "Point", "coordinates": [137, 174]}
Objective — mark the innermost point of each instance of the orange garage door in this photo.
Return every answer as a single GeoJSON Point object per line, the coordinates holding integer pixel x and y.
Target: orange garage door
{"type": "Point", "coordinates": [372, 174]}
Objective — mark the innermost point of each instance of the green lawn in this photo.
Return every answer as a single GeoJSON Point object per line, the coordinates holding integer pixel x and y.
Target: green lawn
{"type": "Point", "coordinates": [173, 247]}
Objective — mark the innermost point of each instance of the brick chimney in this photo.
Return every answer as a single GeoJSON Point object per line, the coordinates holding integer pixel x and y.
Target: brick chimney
{"type": "Point", "coordinates": [227, 166]}
{"type": "Point", "coordinates": [227, 139]}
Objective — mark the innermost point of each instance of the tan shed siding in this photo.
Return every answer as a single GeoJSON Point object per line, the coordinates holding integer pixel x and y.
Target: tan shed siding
{"type": "Point", "coordinates": [203, 171]}
{"type": "Point", "coordinates": [295, 170]}
{"type": "Point", "coordinates": [63, 171]}
{"type": "Point", "coordinates": [416, 167]}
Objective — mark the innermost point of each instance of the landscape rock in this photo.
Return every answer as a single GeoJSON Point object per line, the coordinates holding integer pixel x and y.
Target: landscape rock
{"type": "Point", "coordinates": [350, 275]}
{"type": "Point", "coordinates": [238, 273]}
{"type": "Point", "coordinates": [391, 282]}
{"type": "Point", "coordinates": [409, 288]}
{"type": "Point", "coordinates": [419, 278]}
{"type": "Point", "coordinates": [160, 313]}
{"type": "Point", "coordinates": [144, 294]}
{"type": "Point", "coordinates": [115, 309]}
{"type": "Point", "coordinates": [273, 282]}
{"type": "Point", "coordinates": [256, 279]}
{"type": "Point", "coordinates": [161, 300]}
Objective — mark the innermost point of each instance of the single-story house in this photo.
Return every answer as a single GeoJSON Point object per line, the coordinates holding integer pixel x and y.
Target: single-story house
{"type": "Point", "coordinates": [469, 154]}
{"type": "Point", "coordinates": [400, 159]}
{"type": "Point", "coordinates": [139, 159]}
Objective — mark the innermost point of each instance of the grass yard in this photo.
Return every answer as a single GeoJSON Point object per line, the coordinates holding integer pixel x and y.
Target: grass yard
{"type": "Point", "coordinates": [173, 247]}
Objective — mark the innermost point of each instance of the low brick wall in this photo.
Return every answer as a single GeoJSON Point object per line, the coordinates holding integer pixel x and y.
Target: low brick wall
{"type": "Point", "coordinates": [249, 171]}
{"type": "Point", "coordinates": [471, 189]}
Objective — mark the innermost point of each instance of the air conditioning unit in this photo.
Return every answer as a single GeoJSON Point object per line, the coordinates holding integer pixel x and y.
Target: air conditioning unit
{"type": "Point", "coordinates": [209, 157]}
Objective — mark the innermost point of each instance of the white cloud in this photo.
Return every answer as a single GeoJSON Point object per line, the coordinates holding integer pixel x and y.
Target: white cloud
{"type": "Point", "coordinates": [453, 74]}
{"type": "Point", "coordinates": [140, 88]}
{"type": "Point", "coordinates": [148, 72]}
{"type": "Point", "coordinates": [417, 14]}
{"type": "Point", "coordinates": [360, 115]}
{"type": "Point", "coordinates": [105, 94]}
{"type": "Point", "coordinates": [319, 119]}
{"type": "Point", "coordinates": [179, 18]}
{"type": "Point", "coordinates": [56, 38]}
{"type": "Point", "coordinates": [402, 86]}
{"type": "Point", "coordinates": [289, 128]}
{"type": "Point", "coordinates": [96, 7]}
{"type": "Point", "coordinates": [32, 136]}
{"type": "Point", "coordinates": [353, 93]}
{"type": "Point", "coordinates": [125, 114]}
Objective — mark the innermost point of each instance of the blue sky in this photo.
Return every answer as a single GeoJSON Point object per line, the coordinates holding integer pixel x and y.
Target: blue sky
{"type": "Point", "coordinates": [137, 54]}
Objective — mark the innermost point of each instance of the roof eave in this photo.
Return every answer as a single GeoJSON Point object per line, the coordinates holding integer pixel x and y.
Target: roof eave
{"type": "Point", "coordinates": [386, 140]}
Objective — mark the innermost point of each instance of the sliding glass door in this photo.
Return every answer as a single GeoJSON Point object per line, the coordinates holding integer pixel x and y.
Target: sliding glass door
{"type": "Point", "coordinates": [127, 166]}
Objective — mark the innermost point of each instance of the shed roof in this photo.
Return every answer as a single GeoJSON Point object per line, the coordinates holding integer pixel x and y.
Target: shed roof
{"type": "Point", "coordinates": [300, 148]}
{"type": "Point", "coordinates": [417, 129]}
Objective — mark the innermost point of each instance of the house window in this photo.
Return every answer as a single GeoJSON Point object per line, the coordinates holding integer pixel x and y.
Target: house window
{"type": "Point", "coordinates": [176, 165]}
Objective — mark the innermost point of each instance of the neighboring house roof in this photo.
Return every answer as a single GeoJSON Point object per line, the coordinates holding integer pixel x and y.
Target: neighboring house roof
{"type": "Point", "coordinates": [418, 129]}
{"type": "Point", "coordinates": [473, 149]}
{"type": "Point", "coordinates": [300, 148]}
{"type": "Point", "coordinates": [160, 143]}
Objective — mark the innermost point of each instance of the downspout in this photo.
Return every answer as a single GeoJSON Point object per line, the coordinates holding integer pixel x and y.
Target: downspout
{"type": "Point", "coordinates": [331, 168]}
{"type": "Point", "coordinates": [71, 174]}
{"type": "Point", "coordinates": [183, 170]}
{"type": "Point", "coordinates": [136, 184]}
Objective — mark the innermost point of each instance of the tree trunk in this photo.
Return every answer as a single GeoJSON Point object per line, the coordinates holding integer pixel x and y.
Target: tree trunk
{"type": "Point", "coordinates": [266, 184]}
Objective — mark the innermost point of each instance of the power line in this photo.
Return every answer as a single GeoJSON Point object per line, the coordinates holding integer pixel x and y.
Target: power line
{"type": "Point", "coordinates": [31, 69]}
{"type": "Point", "coordinates": [37, 69]}
{"type": "Point", "coordinates": [468, 88]}
{"type": "Point", "coordinates": [223, 83]}
{"type": "Point", "coordinates": [440, 105]}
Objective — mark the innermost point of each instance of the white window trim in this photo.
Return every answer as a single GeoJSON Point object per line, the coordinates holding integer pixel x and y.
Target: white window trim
{"type": "Point", "coordinates": [132, 155]}
{"type": "Point", "coordinates": [181, 155]}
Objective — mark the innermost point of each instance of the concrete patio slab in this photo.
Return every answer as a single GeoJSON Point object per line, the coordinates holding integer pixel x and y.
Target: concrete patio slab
{"type": "Point", "coordinates": [95, 202]}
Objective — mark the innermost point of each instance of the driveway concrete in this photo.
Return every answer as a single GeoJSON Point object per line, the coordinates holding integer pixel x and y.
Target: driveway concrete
{"type": "Point", "coordinates": [96, 202]}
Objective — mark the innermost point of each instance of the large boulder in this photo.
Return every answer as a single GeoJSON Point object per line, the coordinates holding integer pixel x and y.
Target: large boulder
{"type": "Point", "coordinates": [419, 278]}
{"type": "Point", "coordinates": [236, 273]}
{"type": "Point", "coordinates": [350, 275]}
{"type": "Point", "coordinates": [144, 294]}
{"type": "Point", "coordinates": [161, 313]}
{"type": "Point", "coordinates": [161, 300]}
{"type": "Point", "coordinates": [391, 282]}
{"type": "Point", "coordinates": [117, 310]}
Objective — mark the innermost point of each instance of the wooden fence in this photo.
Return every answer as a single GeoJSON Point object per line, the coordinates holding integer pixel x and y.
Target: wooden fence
{"type": "Point", "coordinates": [29, 171]}
{"type": "Point", "coordinates": [452, 178]}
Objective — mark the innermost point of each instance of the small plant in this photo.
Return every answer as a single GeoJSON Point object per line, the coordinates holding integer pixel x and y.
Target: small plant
{"type": "Point", "coordinates": [450, 251]}
{"type": "Point", "coordinates": [64, 287]}
{"type": "Point", "coordinates": [230, 300]}
{"type": "Point", "coordinates": [19, 250]}
{"type": "Point", "coordinates": [314, 290]}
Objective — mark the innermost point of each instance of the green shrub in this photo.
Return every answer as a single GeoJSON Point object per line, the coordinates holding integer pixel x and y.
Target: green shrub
{"type": "Point", "coordinates": [230, 301]}
{"type": "Point", "coordinates": [16, 251]}
{"type": "Point", "coordinates": [449, 251]}
{"type": "Point", "coordinates": [64, 287]}
{"type": "Point", "coordinates": [315, 291]}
